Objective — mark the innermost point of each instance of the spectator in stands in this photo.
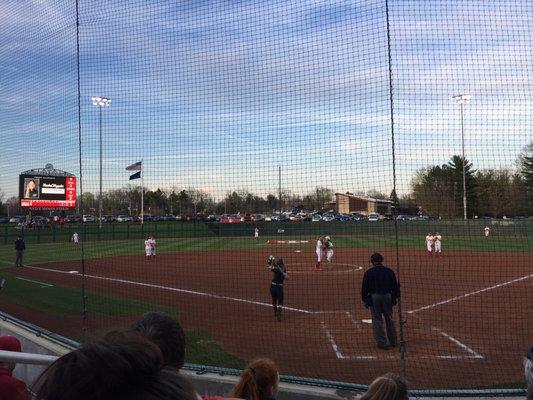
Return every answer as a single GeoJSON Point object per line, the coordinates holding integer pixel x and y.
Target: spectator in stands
{"type": "Point", "coordinates": [11, 388]}
{"type": "Point", "coordinates": [387, 387]}
{"type": "Point", "coordinates": [166, 332]}
{"type": "Point", "coordinates": [121, 366]}
{"type": "Point", "coordinates": [258, 381]}
{"type": "Point", "coordinates": [528, 372]}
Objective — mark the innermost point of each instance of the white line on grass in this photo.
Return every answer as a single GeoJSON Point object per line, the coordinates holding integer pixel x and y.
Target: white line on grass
{"type": "Point", "coordinates": [38, 282]}
{"type": "Point", "coordinates": [173, 289]}
{"type": "Point", "coordinates": [463, 296]}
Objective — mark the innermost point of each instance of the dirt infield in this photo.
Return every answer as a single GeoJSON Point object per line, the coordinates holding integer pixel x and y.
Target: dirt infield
{"type": "Point", "coordinates": [468, 316]}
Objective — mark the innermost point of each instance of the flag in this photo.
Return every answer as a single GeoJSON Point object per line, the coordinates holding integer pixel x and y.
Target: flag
{"type": "Point", "coordinates": [136, 175]}
{"type": "Point", "coordinates": [135, 167]}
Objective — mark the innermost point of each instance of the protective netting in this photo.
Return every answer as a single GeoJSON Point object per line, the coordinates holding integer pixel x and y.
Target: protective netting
{"type": "Point", "coordinates": [375, 123]}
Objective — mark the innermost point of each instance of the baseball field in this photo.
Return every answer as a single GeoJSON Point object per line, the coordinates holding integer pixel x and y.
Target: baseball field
{"type": "Point", "coordinates": [466, 314]}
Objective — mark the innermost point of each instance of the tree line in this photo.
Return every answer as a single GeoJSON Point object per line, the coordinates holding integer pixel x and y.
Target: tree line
{"type": "Point", "coordinates": [435, 190]}
{"type": "Point", "coordinates": [438, 189]}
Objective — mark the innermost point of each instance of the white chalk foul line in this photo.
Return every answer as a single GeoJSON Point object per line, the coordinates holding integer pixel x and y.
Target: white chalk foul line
{"type": "Point", "coordinates": [473, 353]}
{"type": "Point", "coordinates": [173, 289]}
{"type": "Point", "coordinates": [337, 351]}
{"type": "Point", "coordinates": [464, 296]}
{"type": "Point", "coordinates": [37, 282]}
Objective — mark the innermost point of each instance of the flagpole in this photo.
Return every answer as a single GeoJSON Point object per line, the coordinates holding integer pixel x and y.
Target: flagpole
{"type": "Point", "coordinates": [142, 194]}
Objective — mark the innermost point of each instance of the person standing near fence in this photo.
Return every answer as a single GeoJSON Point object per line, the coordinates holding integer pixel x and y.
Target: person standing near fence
{"type": "Point", "coordinates": [379, 292]}
{"type": "Point", "coordinates": [20, 246]}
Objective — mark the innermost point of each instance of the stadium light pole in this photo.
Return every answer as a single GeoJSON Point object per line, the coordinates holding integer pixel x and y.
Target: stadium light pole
{"type": "Point", "coordinates": [461, 99]}
{"type": "Point", "coordinates": [100, 102]}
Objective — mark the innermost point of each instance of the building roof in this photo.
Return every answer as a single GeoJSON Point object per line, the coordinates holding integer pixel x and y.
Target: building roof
{"type": "Point", "coordinates": [364, 198]}
{"type": "Point", "coordinates": [46, 172]}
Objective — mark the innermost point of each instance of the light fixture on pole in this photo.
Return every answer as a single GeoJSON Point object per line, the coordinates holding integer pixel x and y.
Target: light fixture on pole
{"type": "Point", "coordinates": [461, 99]}
{"type": "Point", "coordinates": [101, 102]}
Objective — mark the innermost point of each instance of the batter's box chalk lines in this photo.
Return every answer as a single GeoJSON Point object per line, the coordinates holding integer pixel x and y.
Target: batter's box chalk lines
{"type": "Point", "coordinates": [472, 353]}
{"type": "Point", "coordinates": [464, 296]}
{"type": "Point", "coordinates": [173, 289]}
{"type": "Point", "coordinates": [338, 352]}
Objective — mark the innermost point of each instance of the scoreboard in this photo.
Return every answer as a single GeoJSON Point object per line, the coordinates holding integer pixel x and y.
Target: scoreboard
{"type": "Point", "coordinates": [47, 191]}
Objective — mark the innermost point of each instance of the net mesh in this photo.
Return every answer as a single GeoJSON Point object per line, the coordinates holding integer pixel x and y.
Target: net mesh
{"type": "Point", "coordinates": [259, 127]}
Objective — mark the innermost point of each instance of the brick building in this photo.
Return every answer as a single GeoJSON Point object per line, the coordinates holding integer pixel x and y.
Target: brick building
{"type": "Point", "coordinates": [346, 203]}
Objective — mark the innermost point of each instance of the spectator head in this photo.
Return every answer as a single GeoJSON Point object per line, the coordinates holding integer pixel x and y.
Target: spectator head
{"type": "Point", "coordinates": [259, 379]}
{"type": "Point", "coordinates": [120, 366]}
{"type": "Point", "coordinates": [387, 387]}
{"type": "Point", "coordinates": [9, 343]}
{"type": "Point", "coordinates": [376, 259]}
{"type": "Point", "coordinates": [166, 332]}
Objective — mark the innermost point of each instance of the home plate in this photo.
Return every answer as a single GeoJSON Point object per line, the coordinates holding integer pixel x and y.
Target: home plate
{"type": "Point", "coordinates": [73, 272]}
{"type": "Point", "coordinates": [366, 321]}
{"type": "Point", "coordinates": [297, 251]}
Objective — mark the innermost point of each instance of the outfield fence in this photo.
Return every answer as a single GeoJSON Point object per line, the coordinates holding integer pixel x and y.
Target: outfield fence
{"type": "Point", "coordinates": [276, 109]}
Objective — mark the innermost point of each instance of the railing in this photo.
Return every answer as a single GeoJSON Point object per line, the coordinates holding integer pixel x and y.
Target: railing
{"type": "Point", "coordinates": [26, 358]}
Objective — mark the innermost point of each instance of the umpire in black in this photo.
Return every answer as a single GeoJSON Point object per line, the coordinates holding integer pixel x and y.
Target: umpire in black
{"type": "Point", "coordinates": [20, 246]}
{"type": "Point", "coordinates": [380, 292]}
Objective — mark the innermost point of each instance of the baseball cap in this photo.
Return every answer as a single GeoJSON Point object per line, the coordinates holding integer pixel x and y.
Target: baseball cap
{"type": "Point", "coordinates": [10, 343]}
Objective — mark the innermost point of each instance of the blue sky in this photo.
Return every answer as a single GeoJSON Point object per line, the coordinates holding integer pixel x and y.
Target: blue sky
{"type": "Point", "coordinates": [216, 94]}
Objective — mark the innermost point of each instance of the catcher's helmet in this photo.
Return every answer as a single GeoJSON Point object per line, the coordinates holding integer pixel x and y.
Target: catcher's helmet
{"type": "Point", "coordinates": [270, 259]}
{"type": "Point", "coordinates": [327, 238]}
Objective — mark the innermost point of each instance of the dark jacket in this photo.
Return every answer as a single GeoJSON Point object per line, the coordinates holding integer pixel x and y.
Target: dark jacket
{"type": "Point", "coordinates": [20, 245]}
{"type": "Point", "coordinates": [12, 388]}
{"type": "Point", "coordinates": [379, 279]}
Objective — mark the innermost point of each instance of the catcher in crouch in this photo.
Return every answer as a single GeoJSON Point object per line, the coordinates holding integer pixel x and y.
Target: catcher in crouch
{"type": "Point", "coordinates": [276, 286]}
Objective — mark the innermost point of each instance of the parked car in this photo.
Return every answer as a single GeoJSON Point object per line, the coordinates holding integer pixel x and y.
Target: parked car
{"type": "Point", "coordinates": [403, 217]}
{"type": "Point", "coordinates": [421, 218]}
{"type": "Point", "coordinates": [4, 219]}
{"type": "Point", "coordinates": [17, 219]}
{"type": "Point", "coordinates": [88, 218]}
{"type": "Point", "coordinates": [230, 219]}
{"type": "Point", "coordinates": [109, 218]}
{"type": "Point", "coordinates": [124, 218]}
{"type": "Point", "coordinates": [343, 217]}
{"type": "Point", "coordinates": [258, 217]}
{"type": "Point", "coordinates": [247, 217]}
{"type": "Point", "coordinates": [373, 217]}
{"type": "Point", "coordinates": [169, 217]}
{"type": "Point", "coordinates": [358, 217]}
{"type": "Point", "coordinates": [316, 217]}
{"type": "Point", "coordinates": [73, 218]}
{"type": "Point", "coordinates": [328, 217]}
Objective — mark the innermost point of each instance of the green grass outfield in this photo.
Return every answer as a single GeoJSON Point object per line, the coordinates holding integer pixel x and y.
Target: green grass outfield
{"type": "Point", "coordinates": [61, 251]}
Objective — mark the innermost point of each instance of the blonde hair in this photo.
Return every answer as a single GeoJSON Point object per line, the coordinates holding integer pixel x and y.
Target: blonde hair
{"type": "Point", "coordinates": [260, 378]}
{"type": "Point", "coordinates": [387, 387]}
